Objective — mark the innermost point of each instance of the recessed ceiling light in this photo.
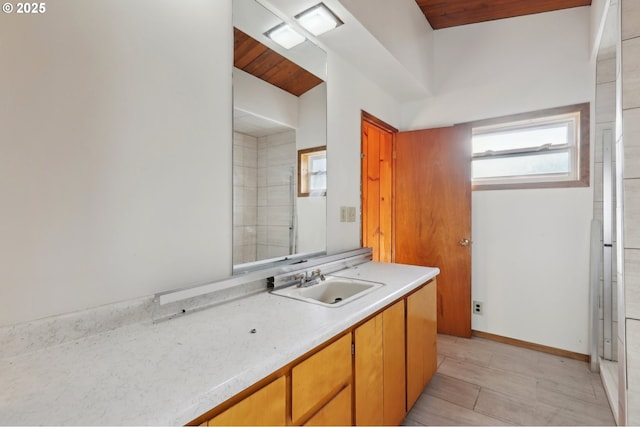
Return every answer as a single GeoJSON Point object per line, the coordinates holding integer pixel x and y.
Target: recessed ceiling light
{"type": "Point", "coordinates": [285, 36]}
{"type": "Point", "coordinates": [318, 19]}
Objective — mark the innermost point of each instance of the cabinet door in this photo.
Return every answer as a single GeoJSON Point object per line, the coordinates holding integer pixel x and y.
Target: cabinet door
{"type": "Point", "coordinates": [265, 407]}
{"type": "Point", "coordinates": [421, 340]}
{"type": "Point", "coordinates": [335, 413]}
{"type": "Point", "coordinates": [319, 378]}
{"type": "Point", "coordinates": [368, 373]}
{"type": "Point", "coordinates": [393, 344]}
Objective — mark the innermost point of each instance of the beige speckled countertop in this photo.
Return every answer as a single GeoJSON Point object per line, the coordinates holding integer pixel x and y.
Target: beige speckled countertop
{"type": "Point", "coordinates": [171, 372]}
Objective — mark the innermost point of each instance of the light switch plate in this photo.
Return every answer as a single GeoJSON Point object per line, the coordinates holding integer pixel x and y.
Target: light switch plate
{"type": "Point", "coordinates": [351, 214]}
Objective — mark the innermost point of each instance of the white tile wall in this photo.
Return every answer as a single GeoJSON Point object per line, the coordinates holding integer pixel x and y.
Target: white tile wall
{"type": "Point", "coordinates": [633, 371]}
{"type": "Point", "coordinates": [632, 213]}
{"type": "Point", "coordinates": [632, 282]}
{"type": "Point", "coordinates": [631, 73]}
{"type": "Point", "coordinates": [630, 19]}
{"type": "Point", "coordinates": [629, 205]}
{"type": "Point", "coordinates": [631, 124]}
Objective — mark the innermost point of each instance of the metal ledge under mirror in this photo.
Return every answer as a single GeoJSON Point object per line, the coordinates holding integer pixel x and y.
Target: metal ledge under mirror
{"type": "Point", "coordinates": [279, 108]}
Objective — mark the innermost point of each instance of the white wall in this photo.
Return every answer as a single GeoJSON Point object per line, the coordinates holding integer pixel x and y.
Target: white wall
{"type": "Point", "coordinates": [530, 247]}
{"type": "Point", "coordinates": [349, 92]}
{"type": "Point", "coordinates": [411, 43]}
{"type": "Point", "coordinates": [115, 152]}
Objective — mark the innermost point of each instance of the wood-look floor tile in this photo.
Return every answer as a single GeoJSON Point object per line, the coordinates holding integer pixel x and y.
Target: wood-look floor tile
{"type": "Point", "coordinates": [453, 390]}
{"type": "Point", "coordinates": [463, 349]}
{"type": "Point", "coordinates": [576, 408]}
{"type": "Point", "coordinates": [514, 411]}
{"type": "Point", "coordinates": [510, 383]}
{"type": "Point", "coordinates": [482, 382]}
{"type": "Point", "coordinates": [430, 410]}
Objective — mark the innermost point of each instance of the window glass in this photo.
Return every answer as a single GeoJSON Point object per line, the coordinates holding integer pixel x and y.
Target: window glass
{"type": "Point", "coordinates": [528, 149]}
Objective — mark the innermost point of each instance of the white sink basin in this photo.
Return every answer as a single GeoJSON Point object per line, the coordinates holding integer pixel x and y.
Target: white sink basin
{"type": "Point", "coordinates": [331, 292]}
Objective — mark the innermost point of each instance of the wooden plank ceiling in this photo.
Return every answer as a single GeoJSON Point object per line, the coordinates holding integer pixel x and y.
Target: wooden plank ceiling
{"type": "Point", "coordinates": [257, 59]}
{"type": "Point", "coordinates": [451, 13]}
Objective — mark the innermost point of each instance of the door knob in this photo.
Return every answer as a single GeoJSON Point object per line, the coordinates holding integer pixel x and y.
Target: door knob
{"type": "Point", "coordinates": [465, 242]}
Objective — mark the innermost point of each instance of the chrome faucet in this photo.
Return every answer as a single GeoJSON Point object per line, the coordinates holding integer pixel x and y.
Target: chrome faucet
{"type": "Point", "coordinates": [310, 278]}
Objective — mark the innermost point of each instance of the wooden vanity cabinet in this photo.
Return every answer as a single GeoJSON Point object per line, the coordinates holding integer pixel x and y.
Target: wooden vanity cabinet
{"type": "Point", "coordinates": [379, 368]}
{"type": "Point", "coordinates": [265, 407]}
{"type": "Point", "coordinates": [375, 382]}
{"type": "Point", "coordinates": [320, 378]}
{"type": "Point", "coordinates": [422, 358]}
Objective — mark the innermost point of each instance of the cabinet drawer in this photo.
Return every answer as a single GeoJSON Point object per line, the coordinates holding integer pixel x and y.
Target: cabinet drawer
{"type": "Point", "coordinates": [335, 413]}
{"type": "Point", "coordinates": [265, 407]}
{"type": "Point", "coordinates": [319, 378]}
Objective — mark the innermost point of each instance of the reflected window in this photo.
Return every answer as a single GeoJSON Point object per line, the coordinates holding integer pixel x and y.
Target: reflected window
{"type": "Point", "coordinates": [312, 172]}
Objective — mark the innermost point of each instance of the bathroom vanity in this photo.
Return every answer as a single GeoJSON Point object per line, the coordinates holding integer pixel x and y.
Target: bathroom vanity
{"type": "Point", "coordinates": [256, 359]}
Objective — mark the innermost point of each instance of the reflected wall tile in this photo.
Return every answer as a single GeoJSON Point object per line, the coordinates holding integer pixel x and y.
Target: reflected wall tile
{"type": "Point", "coordinates": [262, 216]}
{"type": "Point", "coordinates": [278, 236]}
{"type": "Point", "coordinates": [597, 177]}
{"type": "Point", "coordinates": [282, 155]}
{"type": "Point", "coordinates": [250, 177]}
{"type": "Point", "coordinates": [262, 251]}
{"type": "Point", "coordinates": [280, 176]}
{"type": "Point", "coordinates": [261, 175]}
{"type": "Point", "coordinates": [250, 157]}
{"type": "Point", "coordinates": [262, 196]}
{"type": "Point", "coordinates": [631, 73]}
{"type": "Point", "coordinates": [238, 157]}
{"type": "Point", "coordinates": [606, 102]}
{"type": "Point", "coordinates": [251, 196]}
{"type": "Point", "coordinates": [606, 70]}
{"type": "Point", "coordinates": [279, 195]}
{"type": "Point", "coordinates": [278, 215]}
{"type": "Point", "coordinates": [277, 251]}
{"type": "Point", "coordinates": [261, 235]}
{"type": "Point", "coordinates": [250, 217]}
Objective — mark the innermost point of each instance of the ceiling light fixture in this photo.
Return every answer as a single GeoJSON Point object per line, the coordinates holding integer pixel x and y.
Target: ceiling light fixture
{"type": "Point", "coordinates": [318, 19]}
{"type": "Point", "coordinates": [285, 36]}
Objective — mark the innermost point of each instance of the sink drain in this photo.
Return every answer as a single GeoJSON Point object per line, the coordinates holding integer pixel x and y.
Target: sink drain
{"type": "Point", "coordinates": [336, 300]}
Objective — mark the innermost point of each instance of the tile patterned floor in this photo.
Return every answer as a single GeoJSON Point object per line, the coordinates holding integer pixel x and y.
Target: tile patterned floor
{"type": "Point", "coordinates": [482, 382]}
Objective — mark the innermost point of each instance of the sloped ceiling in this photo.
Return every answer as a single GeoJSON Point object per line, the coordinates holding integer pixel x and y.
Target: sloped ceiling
{"type": "Point", "coordinates": [451, 13]}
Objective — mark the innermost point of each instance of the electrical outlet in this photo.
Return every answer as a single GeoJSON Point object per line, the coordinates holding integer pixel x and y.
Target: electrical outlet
{"type": "Point", "coordinates": [477, 307]}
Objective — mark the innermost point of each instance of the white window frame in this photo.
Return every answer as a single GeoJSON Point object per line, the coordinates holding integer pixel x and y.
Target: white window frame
{"type": "Point", "coordinates": [577, 147]}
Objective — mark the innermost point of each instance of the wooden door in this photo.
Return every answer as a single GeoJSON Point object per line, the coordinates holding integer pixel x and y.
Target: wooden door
{"type": "Point", "coordinates": [433, 215]}
{"type": "Point", "coordinates": [265, 407]}
{"type": "Point", "coordinates": [394, 362]}
{"type": "Point", "coordinates": [377, 184]}
{"type": "Point", "coordinates": [368, 373]}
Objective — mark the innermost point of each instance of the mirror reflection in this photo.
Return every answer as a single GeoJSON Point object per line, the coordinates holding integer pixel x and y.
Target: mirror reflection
{"type": "Point", "coordinates": [279, 111]}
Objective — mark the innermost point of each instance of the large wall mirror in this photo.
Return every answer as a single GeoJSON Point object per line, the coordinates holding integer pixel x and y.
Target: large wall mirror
{"type": "Point", "coordinates": [280, 109]}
